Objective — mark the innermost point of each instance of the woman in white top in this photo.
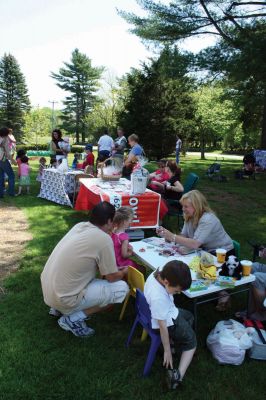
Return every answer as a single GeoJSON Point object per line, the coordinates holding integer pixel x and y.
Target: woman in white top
{"type": "Point", "coordinates": [202, 229]}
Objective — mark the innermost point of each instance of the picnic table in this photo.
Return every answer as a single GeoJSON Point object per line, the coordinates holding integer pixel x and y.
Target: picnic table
{"type": "Point", "coordinates": [150, 255]}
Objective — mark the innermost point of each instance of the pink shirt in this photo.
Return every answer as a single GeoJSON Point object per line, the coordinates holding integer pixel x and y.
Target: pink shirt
{"type": "Point", "coordinates": [24, 169]}
{"type": "Point", "coordinates": [118, 238]}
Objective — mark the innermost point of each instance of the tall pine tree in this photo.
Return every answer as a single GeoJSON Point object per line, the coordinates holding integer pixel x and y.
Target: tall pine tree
{"type": "Point", "coordinates": [14, 100]}
{"type": "Point", "coordinates": [81, 81]}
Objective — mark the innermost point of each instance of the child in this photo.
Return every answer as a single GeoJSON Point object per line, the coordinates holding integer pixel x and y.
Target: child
{"type": "Point", "coordinates": [24, 179]}
{"type": "Point", "coordinates": [89, 159]}
{"type": "Point", "coordinates": [160, 175]}
{"type": "Point", "coordinates": [20, 153]}
{"type": "Point", "coordinates": [42, 162]}
{"type": "Point", "coordinates": [123, 250]}
{"type": "Point", "coordinates": [175, 324]}
{"type": "Point", "coordinates": [75, 161]}
{"type": "Point", "coordinates": [64, 145]}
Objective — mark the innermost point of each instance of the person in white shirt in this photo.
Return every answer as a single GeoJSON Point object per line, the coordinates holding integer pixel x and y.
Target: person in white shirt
{"type": "Point", "coordinates": [175, 324]}
{"type": "Point", "coordinates": [105, 146]}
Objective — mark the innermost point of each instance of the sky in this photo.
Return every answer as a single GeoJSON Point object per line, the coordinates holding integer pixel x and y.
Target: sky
{"type": "Point", "coordinates": [41, 35]}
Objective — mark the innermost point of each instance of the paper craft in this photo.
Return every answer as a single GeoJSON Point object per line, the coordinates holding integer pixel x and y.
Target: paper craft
{"type": "Point", "coordinates": [168, 248]}
{"type": "Point", "coordinates": [225, 281]}
{"type": "Point", "coordinates": [197, 285]}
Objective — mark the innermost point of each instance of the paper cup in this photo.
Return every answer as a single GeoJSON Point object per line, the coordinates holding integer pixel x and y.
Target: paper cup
{"type": "Point", "coordinates": [220, 254]}
{"type": "Point", "coordinates": [246, 267]}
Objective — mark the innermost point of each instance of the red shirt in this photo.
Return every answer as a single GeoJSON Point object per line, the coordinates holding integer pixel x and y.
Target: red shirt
{"type": "Point", "coordinates": [89, 160]}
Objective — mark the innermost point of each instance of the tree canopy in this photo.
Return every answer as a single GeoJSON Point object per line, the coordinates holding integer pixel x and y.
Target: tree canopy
{"type": "Point", "coordinates": [158, 104]}
{"type": "Point", "coordinates": [240, 49]}
{"type": "Point", "coordinates": [14, 99]}
{"type": "Point", "coordinates": [81, 81]}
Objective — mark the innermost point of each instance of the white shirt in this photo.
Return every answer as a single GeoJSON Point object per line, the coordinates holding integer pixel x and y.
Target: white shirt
{"type": "Point", "coordinates": [105, 143]}
{"type": "Point", "coordinates": [161, 303]}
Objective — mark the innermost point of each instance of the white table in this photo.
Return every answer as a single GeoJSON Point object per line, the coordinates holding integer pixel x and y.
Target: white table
{"type": "Point", "coordinates": [153, 260]}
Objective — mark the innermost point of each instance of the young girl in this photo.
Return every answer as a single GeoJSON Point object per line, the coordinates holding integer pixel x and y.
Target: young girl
{"type": "Point", "coordinates": [24, 179]}
{"type": "Point", "coordinates": [123, 250]}
{"type": "Point", "coordinates": [42, 162]}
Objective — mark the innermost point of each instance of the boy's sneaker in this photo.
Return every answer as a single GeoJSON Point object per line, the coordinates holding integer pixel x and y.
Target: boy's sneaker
{"type": "Point", "coordinates": [78, 328]}
{"type": "Point", "coordinates": [54, 312]}
{"type": "Point", "coordinates": [173, 379]}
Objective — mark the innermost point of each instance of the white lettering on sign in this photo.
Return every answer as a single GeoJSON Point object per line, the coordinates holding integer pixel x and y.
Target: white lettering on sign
{"type": "Point", "coordinates": [133, 202]}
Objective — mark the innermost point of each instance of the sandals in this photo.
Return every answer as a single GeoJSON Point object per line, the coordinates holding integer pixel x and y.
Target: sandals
{"type": "Point", "coordinates": [223, 305]}
{"type": "Point", "coordinates": [241, 314]}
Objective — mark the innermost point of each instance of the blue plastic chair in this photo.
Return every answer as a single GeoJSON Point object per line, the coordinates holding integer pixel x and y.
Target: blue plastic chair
{"type": "Point", "coordinates": [144, 319]}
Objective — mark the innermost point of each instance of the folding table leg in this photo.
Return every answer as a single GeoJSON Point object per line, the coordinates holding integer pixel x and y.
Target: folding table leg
{"type": "Point", "coordinates": [195, 323]}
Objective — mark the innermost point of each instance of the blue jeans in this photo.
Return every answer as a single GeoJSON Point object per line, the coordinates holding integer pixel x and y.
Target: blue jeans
{"type": "Point", "coordinates": [5, 168]}
{"type": "Point", "coordinates": [177, 156]}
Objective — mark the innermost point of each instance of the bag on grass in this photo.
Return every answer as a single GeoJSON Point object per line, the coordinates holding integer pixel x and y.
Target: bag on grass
{"type": "Point", "coordinates": [228, 342]}
{"type": "Point", "coordinates": [258, 349]}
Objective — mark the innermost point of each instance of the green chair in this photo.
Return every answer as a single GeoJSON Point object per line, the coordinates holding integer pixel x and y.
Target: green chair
{"type": "Point", "coordinates": [174, 207]}
{"type": "Point", "coordinates": [237, 248]}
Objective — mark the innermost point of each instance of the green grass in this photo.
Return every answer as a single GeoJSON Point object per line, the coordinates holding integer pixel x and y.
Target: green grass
{"type": "Point", "coordinates": [39, 360]}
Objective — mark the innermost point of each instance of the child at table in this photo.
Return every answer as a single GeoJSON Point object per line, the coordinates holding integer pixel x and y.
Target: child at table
{"type": "Point", "coordinates": [42, 162]}
{"type": "Point", "coordinates": [24, 179]}
{"type": "Point", "coordinates": [123, 250]}
{"type": "Point", "coordinates": [89, 161]}
{"type": "Point", "coordinates": [174, 324]}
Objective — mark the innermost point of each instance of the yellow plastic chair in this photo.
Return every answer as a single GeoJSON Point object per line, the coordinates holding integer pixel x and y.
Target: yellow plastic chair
{"type": "Point", "coordinates": [135, 281]}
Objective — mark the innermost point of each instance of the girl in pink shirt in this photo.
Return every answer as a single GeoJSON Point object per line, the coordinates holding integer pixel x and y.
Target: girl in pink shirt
{"type": "Point", "coordinates": [24, 179]}
{"type": "Point", "coordinates": [123, 250]}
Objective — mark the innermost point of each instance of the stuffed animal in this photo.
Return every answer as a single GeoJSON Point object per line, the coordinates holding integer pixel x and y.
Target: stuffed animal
{"type": "Point", "coordinates": [231, 267]}
{"type": "Point", "coordinates": [206, 268]}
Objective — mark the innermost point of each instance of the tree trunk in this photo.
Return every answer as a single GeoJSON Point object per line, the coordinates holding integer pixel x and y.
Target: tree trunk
{"type": "Point", "coordinates": [263, 128]}
{"type": "Point", "coordinates": [202, 146]}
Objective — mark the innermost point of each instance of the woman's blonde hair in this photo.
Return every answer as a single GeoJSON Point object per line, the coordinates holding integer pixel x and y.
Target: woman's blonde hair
{"type": "Point", "coordinates": [122, 214]}
{"type": "Point", "coordinates": [198, 202]}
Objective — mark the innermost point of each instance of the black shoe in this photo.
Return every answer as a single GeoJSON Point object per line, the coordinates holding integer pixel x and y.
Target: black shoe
{"type": "Point", "coordinates": [173, 379]}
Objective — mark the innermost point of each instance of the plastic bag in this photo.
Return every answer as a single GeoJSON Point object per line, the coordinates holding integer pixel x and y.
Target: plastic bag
{"type": "Point", "coordinates": [228, 342]}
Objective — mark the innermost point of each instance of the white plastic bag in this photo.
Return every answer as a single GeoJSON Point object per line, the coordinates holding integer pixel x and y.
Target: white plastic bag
{"type": "Point", "coordinates": [63, 167]}
{"type": "Point", "coordinates": [228, 342]}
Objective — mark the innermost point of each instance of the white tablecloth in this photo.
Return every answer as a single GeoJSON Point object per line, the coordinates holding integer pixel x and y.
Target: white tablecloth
{"type": "Point", "coordinates": [56, 186]}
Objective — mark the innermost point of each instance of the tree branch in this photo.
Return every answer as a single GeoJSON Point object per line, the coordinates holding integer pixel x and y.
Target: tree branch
{"type": "Point", "coordinates": [224, 36]}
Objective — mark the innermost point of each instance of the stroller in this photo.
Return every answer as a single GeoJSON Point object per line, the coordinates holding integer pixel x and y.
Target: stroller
{"type": "Point", "coordinates": [214, 173]}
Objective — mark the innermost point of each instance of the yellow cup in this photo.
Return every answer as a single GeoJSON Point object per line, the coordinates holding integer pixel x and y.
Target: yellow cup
{"type": "Point", "coordinates": [246, 267]}
{"type": "Point", "coordinates": [220, 254]}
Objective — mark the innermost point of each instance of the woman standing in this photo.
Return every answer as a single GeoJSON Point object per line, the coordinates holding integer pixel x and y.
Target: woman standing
{"type": "Point", "coordinates": [55, 150]}
{"type": "Point", "coordinates": [6, 160]}
{"type": "Point", "coordinates": [202, 229]}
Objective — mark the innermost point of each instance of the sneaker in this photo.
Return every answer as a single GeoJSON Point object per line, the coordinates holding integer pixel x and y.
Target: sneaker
{"type": "Point", "coordinates": [78, 328]}
{"type": "Point", "coordinates": [54, 312]}
{"type": "Point", "coordinates": [173, 379]}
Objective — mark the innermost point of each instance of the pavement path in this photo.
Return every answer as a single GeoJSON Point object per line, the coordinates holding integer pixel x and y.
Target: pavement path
{"type": "Point", "coordinates": [217, 156]}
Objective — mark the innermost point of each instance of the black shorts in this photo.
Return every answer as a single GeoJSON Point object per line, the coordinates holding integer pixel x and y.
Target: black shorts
{"type": "Point", "coordinates": [182, 332]}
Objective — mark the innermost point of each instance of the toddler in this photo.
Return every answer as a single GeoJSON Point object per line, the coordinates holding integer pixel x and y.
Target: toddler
{"type": "Point", "coordinates": [123, 250]}
{"type": "Point", "coordinates": [20, 153]}
{"type": "Point", "coordinates": [42, 162]}
{"type": "Point", "coordinates": [75, 161]}
{"type": "Point", "coordinates": [24, 179]}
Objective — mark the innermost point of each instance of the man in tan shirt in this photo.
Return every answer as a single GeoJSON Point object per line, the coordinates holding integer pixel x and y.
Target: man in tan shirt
{"type": "Point", "coordinates": [69, 282]}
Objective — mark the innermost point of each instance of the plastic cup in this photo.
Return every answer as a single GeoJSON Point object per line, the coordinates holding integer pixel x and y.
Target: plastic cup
{"type": "Point", "coordinates": [220, 254]}
{"type": "Point", "coordinates": [246, 267]}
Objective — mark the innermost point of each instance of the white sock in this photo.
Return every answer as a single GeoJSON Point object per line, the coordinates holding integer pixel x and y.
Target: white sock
{"type": "Point", "coordinates": [77, 316]}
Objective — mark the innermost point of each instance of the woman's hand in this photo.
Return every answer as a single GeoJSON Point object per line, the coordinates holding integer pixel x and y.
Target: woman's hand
{"type": "Point", "coordinates": [162, 232]}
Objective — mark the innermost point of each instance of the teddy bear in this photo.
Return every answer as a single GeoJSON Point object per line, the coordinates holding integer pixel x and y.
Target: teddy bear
{"type": "Point", "coordinates": [231, 267]}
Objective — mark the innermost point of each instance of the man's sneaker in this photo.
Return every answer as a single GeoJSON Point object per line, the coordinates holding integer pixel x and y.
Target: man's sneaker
{"type": "Point", "coordinates": [173, 379]}
{"type": "Point", "coordinates": [78, 328]}
{"type": "Point", "coordinates": [54, 312]}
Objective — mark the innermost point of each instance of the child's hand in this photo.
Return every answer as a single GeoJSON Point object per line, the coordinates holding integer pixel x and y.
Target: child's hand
{"type": "Point", "coordinates": [168, 359]}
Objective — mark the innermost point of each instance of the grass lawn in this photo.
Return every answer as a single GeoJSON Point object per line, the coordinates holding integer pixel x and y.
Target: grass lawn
{"type": "Point", "coordinates": [41, 361]}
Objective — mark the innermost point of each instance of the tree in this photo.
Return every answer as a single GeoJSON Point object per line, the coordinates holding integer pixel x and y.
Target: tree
{"type": "Point", "coordinates": [38, 123]}
{"type": "Point", "coordinates": [81, 81]}
{"type": "Point", "coordinates": [158, 104]}
{"type": "Point", "coordinates": [14, 100]}
{"type": "Point", "coordinates": [239, 25]}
